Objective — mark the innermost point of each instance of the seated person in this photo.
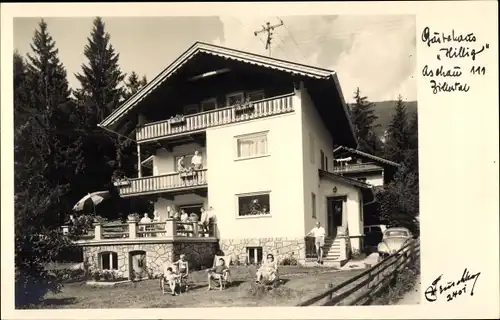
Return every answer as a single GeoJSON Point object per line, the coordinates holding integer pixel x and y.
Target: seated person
{"type": "Point", "coordinates": [268, 272]}
{"type": "Point", "coordinates": [182, 269]}
{"type": "Point", "coordinates": [220, 273]}
{"type": "Point", "coordinates": [172, 279]}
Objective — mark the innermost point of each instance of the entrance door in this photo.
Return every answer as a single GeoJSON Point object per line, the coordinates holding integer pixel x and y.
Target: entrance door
{"type": "Point", "coordinates": [334, 216]}
{"type": "Point", "coordinates": [137, 264]}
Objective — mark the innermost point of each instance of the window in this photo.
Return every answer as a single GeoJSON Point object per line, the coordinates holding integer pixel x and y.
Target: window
{"type": "Point", "coordinates": [254, 205]}
{"type": "Point", "coordinates": [209, 104]}
{"type": "Point", "coordinates": [191, 109]}
{"type": "Point", "coordinates": [256, 95]}
{"type": "Point", "coordinates": [254, 255]}
{"type": "Point", "coordinates": [232, 98]}
{"type": "Point", "coordinates": [108, 261]}
{"type": "Point", "coordinates": [322, 157]}
{"type": "Point", "coordinates": [311, 148]}
{"type": "Point", "coordinates": [313, 200]}
{"type": "Point", "coordinates": [253, 145]}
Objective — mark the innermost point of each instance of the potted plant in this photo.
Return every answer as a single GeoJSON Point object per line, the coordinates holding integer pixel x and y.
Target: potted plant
{"type": "Point", "coordinates": [134, 217]}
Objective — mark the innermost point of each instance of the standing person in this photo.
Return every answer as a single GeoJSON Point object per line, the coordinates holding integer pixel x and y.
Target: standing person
{"type": "Point", "coordinates": [181, 167]}
{"type": "Point", "coordinates": [318, 233]}
{"type": "Point", "coordinates": [197, 161]}
{"type": "Point", "coordinates": [145, 221]}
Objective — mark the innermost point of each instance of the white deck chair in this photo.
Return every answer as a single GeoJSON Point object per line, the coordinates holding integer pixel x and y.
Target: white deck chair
{"type": "Point", "coordinates": [226, 276]}
{"type": "Point", "coordinates": [163, 283]}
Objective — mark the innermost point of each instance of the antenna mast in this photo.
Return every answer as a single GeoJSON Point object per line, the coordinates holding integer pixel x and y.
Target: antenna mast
{"type": "Point", "coordinates": [268, 28]}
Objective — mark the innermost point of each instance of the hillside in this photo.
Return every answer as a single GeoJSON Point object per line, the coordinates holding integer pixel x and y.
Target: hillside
{"type": "Point", "coordinates": [384, 111]}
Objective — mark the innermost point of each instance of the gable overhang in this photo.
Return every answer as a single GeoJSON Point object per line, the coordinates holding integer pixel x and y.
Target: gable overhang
{"type": "Point", "coordinates": [366, 189]}
{"type": "Point", "coordinates": [342, 150]}
{"type": "Point", "coordinates": [322, 84]}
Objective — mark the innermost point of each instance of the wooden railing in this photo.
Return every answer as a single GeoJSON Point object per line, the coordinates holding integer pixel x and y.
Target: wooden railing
{"type": "Point", "coordinates": [166, 182]}
{"type": "Point", "coordinates": [364, 287]}
{"type": "Point", "coordinates": [201, 121]}
{"type": "Point", "coordinates": [132, 230]}
{"type": "Point", "coordinates": [357, 167]}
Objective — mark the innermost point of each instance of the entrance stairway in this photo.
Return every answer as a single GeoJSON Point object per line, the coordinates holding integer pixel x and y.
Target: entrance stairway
{"type": "Point", "coordinates": [332, 254]}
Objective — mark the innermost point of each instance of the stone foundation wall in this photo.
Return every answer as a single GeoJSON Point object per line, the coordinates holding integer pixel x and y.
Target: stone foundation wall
{"type": "Point", "coordinates": [157, 254]}
{"type": "Point", "coordinates": [200, 255]}
{"type": "Point", "coordinates": [281, 248]}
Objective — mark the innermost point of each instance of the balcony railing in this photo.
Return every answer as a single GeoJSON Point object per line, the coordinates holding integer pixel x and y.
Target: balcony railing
{"type": "Point", "coordinates": [167, 182]}
{"type": "Point", "coordinates": [357, 167]}
{"type": "Point", "coordinates": [201, 121]}
{"type": "Point", "coordinates": [169, 229]}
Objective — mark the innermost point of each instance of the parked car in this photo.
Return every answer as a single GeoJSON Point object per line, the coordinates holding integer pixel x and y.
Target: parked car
{"type": "Point", "coordinates": [373, 235]}
{"type": "Point", "coordinates": [393, 240]}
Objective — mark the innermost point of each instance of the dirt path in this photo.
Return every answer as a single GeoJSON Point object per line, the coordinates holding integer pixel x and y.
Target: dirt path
{"type": "Point", "coordinates": [412, 296]}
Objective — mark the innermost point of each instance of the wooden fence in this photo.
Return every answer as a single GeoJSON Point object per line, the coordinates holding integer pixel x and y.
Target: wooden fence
{"type": "Point", "coordinates": [366, 286]}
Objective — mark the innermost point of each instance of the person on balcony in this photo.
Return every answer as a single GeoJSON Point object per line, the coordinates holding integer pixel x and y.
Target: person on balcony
{"type": "Point", "coordinates": [181, 166]}
{"type": "Point", "coordinates": [145, 220]}
{"type": "Point", "coordinates": [156, 218]}
{"type": "Point", "coordinates": [185, 222]}
{"type": "Point", "coordinates": [197, 161]}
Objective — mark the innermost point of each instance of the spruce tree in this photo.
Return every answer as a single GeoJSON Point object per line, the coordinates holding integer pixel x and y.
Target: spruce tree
{"type": "Point", "coordinates": [101, 92]}
{"type": "Point", "coordinates": [45, 163]}
{"type": "Point", "coordinates": [398, 138]}
{"type": "Point", "coordinates": [134, 84]}
{"type": "Point", "coordinates": [363, 118]}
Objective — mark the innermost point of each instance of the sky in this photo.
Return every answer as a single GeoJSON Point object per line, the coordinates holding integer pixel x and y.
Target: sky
{"type": "Point", "coordinates": [375, 53]}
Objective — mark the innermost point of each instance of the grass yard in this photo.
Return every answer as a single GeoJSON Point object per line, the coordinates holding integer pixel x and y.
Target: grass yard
{"type": "Point", "coordinates": [300, 284]}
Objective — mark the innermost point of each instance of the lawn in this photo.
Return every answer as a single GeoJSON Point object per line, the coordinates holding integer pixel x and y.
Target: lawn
{"type": "Point", "coordinates": [300, 284]}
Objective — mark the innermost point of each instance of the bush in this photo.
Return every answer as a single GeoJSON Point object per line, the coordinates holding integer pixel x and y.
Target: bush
{"type": "Point", "coordinates": [289, 261]}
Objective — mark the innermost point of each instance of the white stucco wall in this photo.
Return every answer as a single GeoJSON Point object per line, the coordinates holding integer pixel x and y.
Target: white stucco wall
{"type": "Point", "coordinates": [352, 209]}
{"type": "Point", "coordinates": [280, 173]}
{"type": "Point", "coordinates": [315, 137]}
{"type": "Point", "coordinates": [375, 179]}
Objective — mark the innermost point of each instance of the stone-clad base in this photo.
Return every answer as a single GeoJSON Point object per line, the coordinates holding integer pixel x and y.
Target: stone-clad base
{"type": "Point", "coordinates": [281, 248]}
{"type": "Point", "coordinates": [199, 254]}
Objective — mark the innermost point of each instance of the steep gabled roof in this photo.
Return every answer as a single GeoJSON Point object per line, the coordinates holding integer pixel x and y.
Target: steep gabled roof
{"type": "Point", "coordinates": [231, 54]}
{"type": "Point", "coordinates": [366, 189]}
{"type": "Point", "coordinates": [365, 155]}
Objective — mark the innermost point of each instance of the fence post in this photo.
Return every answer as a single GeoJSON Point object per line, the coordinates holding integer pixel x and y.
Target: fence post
{"type": "Point", "coordinates": [195, 229]}
{"type": "Point", "coordinates": [132, 229]}
{"type": "Point", "coordinates": [170, 227]}
{"type": "Point", "coordinates": [97, 231]}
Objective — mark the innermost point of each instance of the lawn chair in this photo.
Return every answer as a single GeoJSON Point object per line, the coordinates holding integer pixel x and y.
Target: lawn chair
{"type": "Point", "coordinates": [223, 279]}
{"type": "Point", "coordinates": [164, 287]}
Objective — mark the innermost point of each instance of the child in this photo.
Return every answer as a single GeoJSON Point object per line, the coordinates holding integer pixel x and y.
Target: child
{"type": "Point", "coordinates": [183, 269]}
{"type": "Point", "coordinates": [268, 272]}
{"type": "Point", "coordinates": [220, 273]}
{"type": "Point", "coordinates": [172, 279]}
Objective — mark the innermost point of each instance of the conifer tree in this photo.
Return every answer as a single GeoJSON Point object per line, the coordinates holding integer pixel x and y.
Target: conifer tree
{"type": "Point", "coordinates": [398, 138]}
{"type": "Point", "coordinates": [363, 117]}
{"type": "Point", "coordinates": [101, 92]}
{"type": "Point", "coordinates": [134, 84]}
{"type": "Point", "coordinates": [46, 159]}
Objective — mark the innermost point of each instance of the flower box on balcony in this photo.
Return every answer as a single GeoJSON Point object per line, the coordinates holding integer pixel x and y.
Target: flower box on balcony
{"type": "Point", "coordinates": [121, 183]}
{"type": "Point", "coordinates": [187, 175]}
{"type": "Point", "coordinates": [177, 120]}
{"type": "Point", "coordinates": [244, 107]}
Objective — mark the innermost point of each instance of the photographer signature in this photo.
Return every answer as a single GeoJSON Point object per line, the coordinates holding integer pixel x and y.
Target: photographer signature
{"type": "Point", "coordinates": [451, 289]}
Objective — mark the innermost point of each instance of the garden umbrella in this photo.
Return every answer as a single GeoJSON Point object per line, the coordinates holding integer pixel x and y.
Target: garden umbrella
{"type": "Point", "coordinates": [95, 198]}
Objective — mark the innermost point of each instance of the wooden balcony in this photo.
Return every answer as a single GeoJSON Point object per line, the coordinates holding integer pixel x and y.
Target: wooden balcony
{"type": "Point", "coordinates": [355, 168]}
{"type": "Point", "coordinates": [171, 182]}
{"type": "Point", "coordinates": [182, 125]}
{"type": "Point", "coordinates": [133, 231]}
